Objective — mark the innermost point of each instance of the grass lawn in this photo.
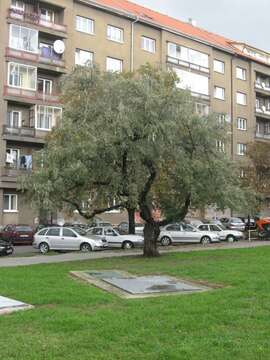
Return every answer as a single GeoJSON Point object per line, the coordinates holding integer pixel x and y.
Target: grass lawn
{"type": "Point", "coordinates": [75, 321]}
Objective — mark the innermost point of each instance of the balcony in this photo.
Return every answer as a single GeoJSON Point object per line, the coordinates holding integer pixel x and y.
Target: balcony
{"type": "Point", "coordinates": [186, 64]}
{"type": "Point", "coordinates": [23, 134]}
{"type": "Point", "coordinates": [264, 136]}
{"type": "Point", "coordinates": [45, 57]}
{"type": "Point", "coordinates": [10, 173]}
{"type": "Point", "coordinates": [31, 95]}
{"type": "Point", "coordinates": [35, 18]}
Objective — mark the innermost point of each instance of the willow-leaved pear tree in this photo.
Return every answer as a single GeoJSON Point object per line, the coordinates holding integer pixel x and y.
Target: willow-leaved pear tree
{"type": "Point", "coordinates": [134, 141]}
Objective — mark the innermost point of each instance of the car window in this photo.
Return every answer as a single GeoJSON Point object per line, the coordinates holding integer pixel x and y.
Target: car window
{"type": "Point", "coordinates": [53, 232]}
{"type": "Point", "coordinates": [68, 233]}
{"type": "Point", "coordinates": [203, 227]}
{"type": "Point", "coordinates": [8, 228]}
{"type": "Point", "coordinates": [42, 232]}
{"type": "Point", "coordinates": [188, 227]}
{"type": "Point", "coordinates": [236, 220]}
{"type": "Point", "coordinates": [214, 228]}
{"type": "Point", "coordinates": [96, 231]}
{"type": "Point", "coordinates": [110, 232]}
{"type": "Point", "coordinates": [173, 228]}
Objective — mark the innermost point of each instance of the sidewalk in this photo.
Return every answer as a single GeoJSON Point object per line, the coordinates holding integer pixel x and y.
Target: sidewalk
{"type": "Point", "coordinates": [77, 256]}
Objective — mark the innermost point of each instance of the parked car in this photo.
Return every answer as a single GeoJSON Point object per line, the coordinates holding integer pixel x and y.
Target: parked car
{"type": "Point", "coordinates": [252, 223]}
{"type": "Point", "coordinates": [222, 232]}
{"type": "Point", "coordinates": [122, 228]}
{"type": "Point", "coordinates": [5, 248]}
{"type": "Point", "coordinates": [185, 233]}
{"type": "Point", "coordinates": [114, 239]}
{"type": "Point", "coordinates": [18, 234]}
{"type": "Point", "coordinates": [66, 239]}
{"type": "Point", "coordinates": [234, 223]}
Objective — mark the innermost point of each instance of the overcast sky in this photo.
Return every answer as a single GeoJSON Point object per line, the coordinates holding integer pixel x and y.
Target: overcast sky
{"type": "Point", "coordinates": [243, 20]}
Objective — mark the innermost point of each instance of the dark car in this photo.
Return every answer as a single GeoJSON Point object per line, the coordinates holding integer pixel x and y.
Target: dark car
{"type": "Point", "coordinates": [252, 223]}
{"type": "Point", "coordinates": [5, 248]}
{"type": "Point", "coordinates": [18, 234]}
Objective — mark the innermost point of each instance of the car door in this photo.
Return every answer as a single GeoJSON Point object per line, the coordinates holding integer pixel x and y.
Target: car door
{"type": "Point", "coordinates": [7, 233]}
{"type": "Point", "coordinates": [96, 233]}
{"type": "Point", "coordinates": [175, 232]}
{"type": "Point", "coordinates": [217, 230]}
{"type": "Point", "coordinates": [190, 234]}
{"type": "Point", "coordinates": [70, 239]}
{"type": "Point", "coordinates": [53, 238]}
{"type": "Point", "coordinates": [113, 238]}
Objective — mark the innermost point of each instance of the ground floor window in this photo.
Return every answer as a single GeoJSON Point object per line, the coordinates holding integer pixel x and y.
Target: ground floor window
{"type": "Point", "coordinates": [10, 202]}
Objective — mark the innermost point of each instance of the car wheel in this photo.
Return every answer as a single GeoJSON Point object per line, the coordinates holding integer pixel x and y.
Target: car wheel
{"type": "Point", "coordinates": [127, 245]}
{"type": "Point", "coordinates": [165, 241]}
{"type": "Point", "coordinates": [85, 247]}
{"type": "Point", "coordinates": [205, 240]}
{"type": "Point", "coordinates": [230, 238]}
{"type": "Point", "coordinates": [44, 248]}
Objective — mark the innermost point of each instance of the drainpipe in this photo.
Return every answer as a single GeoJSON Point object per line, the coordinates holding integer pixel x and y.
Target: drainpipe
{"type": "Point", "coordinates": [132, 44]}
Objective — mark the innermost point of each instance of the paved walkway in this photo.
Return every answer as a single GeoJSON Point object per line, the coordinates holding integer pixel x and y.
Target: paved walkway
{"type": "Point", "coordinates": [76, 256]}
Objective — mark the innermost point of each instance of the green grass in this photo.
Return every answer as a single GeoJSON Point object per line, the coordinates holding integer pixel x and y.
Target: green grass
{"type": "Point", "coordinates": [75, 321]}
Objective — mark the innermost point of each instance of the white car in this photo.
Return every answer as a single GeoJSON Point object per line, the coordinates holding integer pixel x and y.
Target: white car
{"type": "Point", "coordinates": [114, 239]}
{"type": "Point", "coordinates": [184, 233]}
{"type": "Point", "coordinates": [63, 238]}
{"type": "Point", "coordinates": [222, 232]}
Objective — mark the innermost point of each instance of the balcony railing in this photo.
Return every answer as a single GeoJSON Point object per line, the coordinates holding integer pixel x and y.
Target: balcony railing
{"type": "Point", "coordinates": [36, 19]}
{"type": "Point", "coordinates": [186, 64]}
{"type": "Point", "coordinates": [262, 110]}
{"type": "Point", "coordinates": [43, 57]}
{"type": "Point", "coordinates": [260, 135]}
{"type": "Point", "coordinates": [262, 86]}
{"type": "Point", "coordinates": [19, 131]}
{"type": "Point", "coordinates": [14, 171]}
{"type": "Point", "coordinates": [31, 94]}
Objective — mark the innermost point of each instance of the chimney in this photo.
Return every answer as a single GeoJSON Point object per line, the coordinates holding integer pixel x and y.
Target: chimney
{"type": "Point", "coordinates": [192, 22]}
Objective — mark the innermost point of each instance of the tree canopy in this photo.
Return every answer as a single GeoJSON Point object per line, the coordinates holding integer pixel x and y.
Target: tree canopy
{"type": "Point", "coordinates": [133, 140]}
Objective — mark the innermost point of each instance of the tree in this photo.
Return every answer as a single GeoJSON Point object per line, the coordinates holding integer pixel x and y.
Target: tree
{"type": "Point", "coordinates": [133, 140]}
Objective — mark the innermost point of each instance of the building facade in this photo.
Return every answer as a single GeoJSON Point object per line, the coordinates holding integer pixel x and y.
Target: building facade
{"type": "Point", "coordinates": [41, 41]}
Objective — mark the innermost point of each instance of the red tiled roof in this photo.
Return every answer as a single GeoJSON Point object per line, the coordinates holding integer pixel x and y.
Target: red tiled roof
{"type": "Point", "coordinates": [166, 21]}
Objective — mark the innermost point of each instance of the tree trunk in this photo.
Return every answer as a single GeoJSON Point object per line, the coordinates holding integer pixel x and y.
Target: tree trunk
{"type": "Point", "coordinates": [151, 234]}
{"type": "Point", "coordinates": [131, 221]}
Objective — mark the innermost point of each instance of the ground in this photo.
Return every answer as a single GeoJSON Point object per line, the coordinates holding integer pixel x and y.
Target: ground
{"type": "Point", "coordinates": [73, 320]}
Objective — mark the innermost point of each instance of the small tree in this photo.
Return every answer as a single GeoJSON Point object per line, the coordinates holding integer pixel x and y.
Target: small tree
{"type": "Point", "coordinates": [133, 139]}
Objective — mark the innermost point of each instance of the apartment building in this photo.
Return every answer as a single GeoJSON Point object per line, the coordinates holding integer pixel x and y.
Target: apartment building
{"type": "Point", "coordinates": [41, 41]}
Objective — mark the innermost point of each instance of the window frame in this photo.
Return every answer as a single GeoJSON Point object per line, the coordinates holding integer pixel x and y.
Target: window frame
{"type": "Point", "coordinates": [243, 71]}
{"type": "Point", "coordinates": [9, 210]}
{"type": "Point", "coordinates": [77, 50]}
{"type": "Point", "coordinates": [220, 62]}
{"type": "Point", "coordinates": [223, 92]}
{"type": "Point", "coordinates": [121, 41]}
{"type": "Point", "coordinates": [120, 61]}
{"type": "Point", "coordinates": [245, 97]}
{"type": "Point", "coordinates": [243, 147]}
{"type": "Point", "coordinates": [37, 111]}
{"type": "Point", "coordinates": [92, 31]}
{"type": "Point", "coordinates": [16, 7]}
{"type": "Point", "coordinates": [240, 122]}
{"type": "Point", "coordinates": [144, 40]}
{"type": "Point", "coordinates": [12, 119]}
{"type": "Point", "coordinates": [11, 26]}
{"type": "Point", "coordinates": [47, 11]}
{"type": "Point", "coordinates": [22, 65]}
{"type": "Point", "coordinates": [188, 49]}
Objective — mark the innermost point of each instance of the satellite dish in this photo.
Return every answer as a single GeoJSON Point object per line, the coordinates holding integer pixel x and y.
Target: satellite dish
{"type": "Point", "coordinates": [59, 46]}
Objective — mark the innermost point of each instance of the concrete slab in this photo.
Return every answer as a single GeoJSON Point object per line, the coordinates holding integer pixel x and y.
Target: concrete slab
{"type": "Point", "coordinates": [8, 306]}
{"type": "Point", "coordinates": [130, 286]}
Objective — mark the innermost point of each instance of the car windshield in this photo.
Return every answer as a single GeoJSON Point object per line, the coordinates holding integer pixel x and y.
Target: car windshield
{"type": "Point", "coordinates": [79, 231]}
{"type": "Point", "coordinates": [222, 227]}
{"type": "Point", "coordinates": [23, 228]}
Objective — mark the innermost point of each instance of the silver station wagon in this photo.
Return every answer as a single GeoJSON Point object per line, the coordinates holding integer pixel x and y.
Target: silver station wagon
{"type": "Point", "coordinates": [66, 239]}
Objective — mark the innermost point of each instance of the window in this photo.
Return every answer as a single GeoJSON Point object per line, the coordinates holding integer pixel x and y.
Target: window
{"type": "Point", "coordinates": [241, 124]}
{"type": "Point", "coordinates": [10, 203]}
{"type": "Point", "coordinates": [241, 149]}
{"type": "Point", "coordinates": [219, 66]}
{"type": "Point", "coordinates": [22, 76]}
{"type": "Point", "coordinates": [241, 98]}
{"type": "Point", "coordinates": [83, 57]}
{"type": "Point", "coordinates": [53, 232]}
{"type": "Point", "coordinates": [115, 33]}
{"type": "Point", "coordinates": [148, 44]}
{"type": "Point", "coordinates": [173, 228]}
{"type": "Point", "coordinates": [68, 233]}
{"type": "Point", "coordinates": [220, 145]}
{"type": "Point", "coordinates": [12, 157]}
{"type": "Point", "coordinates": [47, 15]}
{"type": "Point", "coordinates": [202, 109]}
{"type": "Point", "coordinates": [22, 38]}
{"type": "Point", "coordinates": [214, 228]}
{"type": "Point", "coordinates": [194, 82]}
{"type": "Point", "coordinates": [14, 119]}
{"type": "Point", "coordinates": [241, 73]}
{"type": "Point", "coordinates": [84, 25]}
{"type": "Point", "coordinates": [96, 231]}
{"type": "Point", "coordinates": [219, 93]}
{"type": "Point", "coordinates": [42, 232]}
{"type": "Point", "coordinates": [46, 51]}
{"type": "Point", "coordinates": [243, 174]}
{"type": "Point", "coordinates": [17, 4]}
{"type": "Point", "coordinates": [114, 65]}
{"type": "Point", "coordinates": [44, 86]}
{"type": "Point", "coordinates": [47, 117]}
{"type": "Point", "coordinates": [203, 228]}
{"type": "Point", "coordinates": [223, 118]}
{"type": "Point", "coordinates": [188, 55]}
